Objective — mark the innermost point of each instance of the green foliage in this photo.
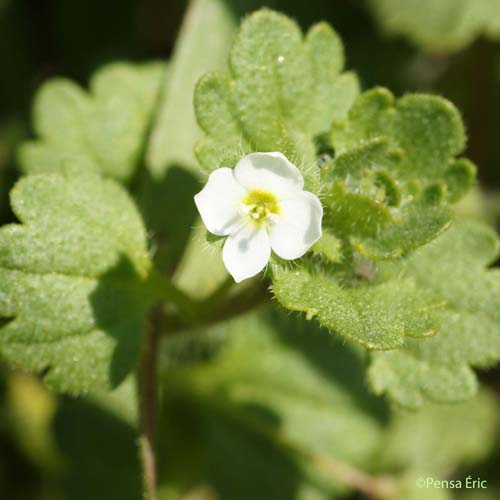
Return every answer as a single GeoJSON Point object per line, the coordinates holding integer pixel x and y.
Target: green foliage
{"type": "Point", "coordinates": [201, 270]}
{"type": "Point", "coordinates": [377, 317]}
{"type": "Point", "coordinates": [175, 131]}
{"type": "Point", "coordinates": [276, 394]}
{"type": "Point", "coordinates": [329, 247]}
{"type": "Point", "coordinates": [166, 195]}
{"type": "Point", "coordinates": [253, 404]}
{"type": "Point", "coordinates": [442, 26]}
{"type": "Point", "coordinates": [282, 91]}
{"type": "Point", "coordinates": [439, 369]}
{"type": "Point", "coordinates": [427, 441]}
{"type": "Point", "coordinates": [395, 172]}
{"type": "Point", "coordinates": [267, 405]}
{"type": "Point", "coordinates": [74, 280]}
{"type": "Point", "coordinates": [102, 131]}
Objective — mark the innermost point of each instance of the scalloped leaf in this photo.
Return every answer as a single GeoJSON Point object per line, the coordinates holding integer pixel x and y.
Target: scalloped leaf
{"type": "Point", "coordinates": [440, 369]}
{"type": "Point", "coordinates": [329, 247]}
{"type": "Point", "coordinates": [379, 316]}
{"type": "Point", "coordinates": [282, 91]}
{"type": "Point", "coordinates": [74, 283]}
{"type": "Point", "coordinates": [417, 224]}
{"type": "Point", "coordinates": [444, 26]}
{"type": "Point", "coordinates": [427, 131]}
{"type": "Point", "coordinates": [103, 131]}
{"type": "Point", "coordinates": [395, 172]}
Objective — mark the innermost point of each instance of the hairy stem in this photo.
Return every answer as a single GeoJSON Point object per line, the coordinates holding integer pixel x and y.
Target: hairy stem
{"type": "Point", "coordinates": [148, 394]}
{"type": "Point", "coordinates": [219, 307]}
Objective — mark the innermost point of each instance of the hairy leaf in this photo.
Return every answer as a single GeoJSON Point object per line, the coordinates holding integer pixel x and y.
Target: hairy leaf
{"type": "Point", "coordinates": [73, 280]}
{"type": "Point", "coordinates": [103, 131]}
{"type": "Point", "coordinates": [376, 316]}
{"type": "Point", "coordinates": [395, 172]}
{"type": "Point", "coordinates": [281, 92]}
{"type": "Point", "coordinates": [427, 129]}
{"type": "Point", "coordinates": [439, 369]}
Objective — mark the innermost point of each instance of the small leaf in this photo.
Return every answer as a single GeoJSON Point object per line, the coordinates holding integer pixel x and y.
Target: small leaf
{"type": "Point", "coordinates": [353, 213]}
{"type": "Point", "coordinates": [395, 172]}
{"type": "Point", "coordinates": [460, 178]}
{"type": "Point", "coordinates": [281, 92]}
{"type": "Point", "coordinates": [427, 129]}
{"type": "Point", "coordinates": [104, 130]}
{"type": "Point", "coordinates": [418, 224]}
{"type": "Point", "coordinates": [74, 281]}
{"type": "Point", "coordinates": [329, 247]}
{"type": "Point", "coordinates": [377, 317]}
{"type": "Point", "coordinates": [440, 369]}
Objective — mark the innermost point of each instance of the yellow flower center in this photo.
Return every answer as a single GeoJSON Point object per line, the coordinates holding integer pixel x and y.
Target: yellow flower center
{"type": "Point", "coordinates": [261, 206]}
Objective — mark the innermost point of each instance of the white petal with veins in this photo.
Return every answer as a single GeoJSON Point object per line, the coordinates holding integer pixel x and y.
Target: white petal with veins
{"type": "Point", "coordinates": [219, 202]}
{"type": "Point", "coordinates": [246, 252]}
{"type": "Point", "coordinates": [298, 227]}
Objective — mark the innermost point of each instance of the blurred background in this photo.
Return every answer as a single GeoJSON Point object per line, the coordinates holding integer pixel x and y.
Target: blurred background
{"type": "Point", "coordinates": [48, 445]}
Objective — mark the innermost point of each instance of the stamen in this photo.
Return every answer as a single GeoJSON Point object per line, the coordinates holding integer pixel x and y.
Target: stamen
{"type": "Point", "coordinates": [261, 206]}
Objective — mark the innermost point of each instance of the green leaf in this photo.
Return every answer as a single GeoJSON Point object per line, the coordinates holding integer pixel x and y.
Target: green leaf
{"type": "Point", "coordinates": [379, 316]}
{"type": "Point", "coordinates": [329, 247]}
{"type": "Point", "coordinates": [418, 224]}
{"type": "Point", "coordinates": [444, 26]}
{"type": "Point", "coordinates": [173, 175]}
{"type": "Point", "coordinates": [427, 440]}
{"type": "Point", "coordinates": [281, 92]}
{"type": "Point", "coordinates": [428, 131]}
{"type": "Point", "coordinates": [203, 43]}
{"type": "Point", "coordinates": [201, 270]}
{"type": "Point", "coordinates": [439, 369]}
{"type": "Point", "coordinates": [104, 130]}
{"type": "Point", "coordinates": [275, 389]}
{"type": "Point", "coordinates": [394, 173]}
{"type": "Point", "coordinates": [74, 281]}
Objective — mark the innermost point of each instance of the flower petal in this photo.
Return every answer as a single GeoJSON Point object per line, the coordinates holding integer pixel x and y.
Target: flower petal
{"type": "Point", "coordinates": [269, 172]}
{"type": "Point", "coordinates": [298, 227]}
{"type": "Point", "coordinates": [219, 201]}
{"type": "Point", "coordinates": [246, 252]}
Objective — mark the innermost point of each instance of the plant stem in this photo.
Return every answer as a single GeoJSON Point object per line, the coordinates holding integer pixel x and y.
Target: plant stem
{"type": "Point", "coordinates": [148, 394]}
{"type": "Point", "coordinates": [219, 308]}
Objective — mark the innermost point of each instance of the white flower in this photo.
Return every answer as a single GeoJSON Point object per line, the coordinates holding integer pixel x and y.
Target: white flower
{"type": "Point", "coordinates": [260, 205]}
